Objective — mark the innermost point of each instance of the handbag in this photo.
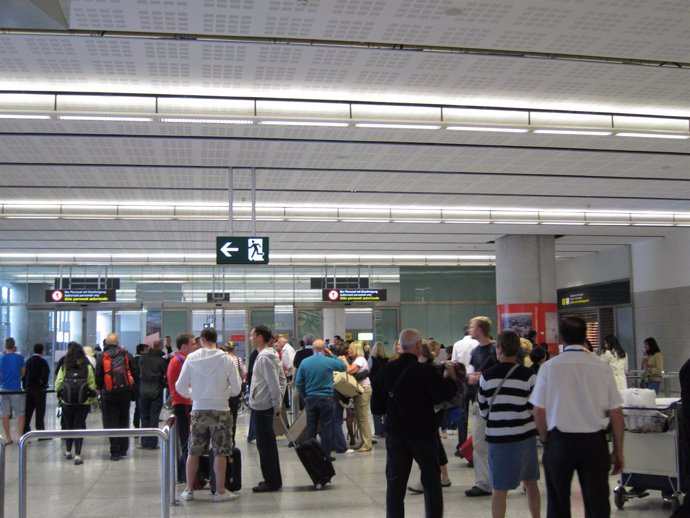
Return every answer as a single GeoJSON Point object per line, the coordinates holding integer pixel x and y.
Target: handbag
{"type": "Point", "coordinates": [346, 384]}
{"type": "Point", "coordinates": [361, 374]}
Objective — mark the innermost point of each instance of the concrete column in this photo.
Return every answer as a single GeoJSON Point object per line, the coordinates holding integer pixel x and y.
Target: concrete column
{"type": "Point", "coordinates": [526, 285]}
{"type": "Point", "coordinates": [333, 322]}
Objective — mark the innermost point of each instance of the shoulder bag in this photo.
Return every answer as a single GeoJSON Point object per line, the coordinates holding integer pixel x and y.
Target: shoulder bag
{"type": "Point", "coordinates": [498, 389]}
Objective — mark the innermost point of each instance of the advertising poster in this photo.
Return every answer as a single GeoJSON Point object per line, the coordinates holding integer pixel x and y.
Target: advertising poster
{"type": "Point", "coordinates": [541, 317]}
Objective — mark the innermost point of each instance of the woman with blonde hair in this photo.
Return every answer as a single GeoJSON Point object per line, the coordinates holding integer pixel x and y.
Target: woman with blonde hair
{"type": "Point", "coordinates": [360, 370]}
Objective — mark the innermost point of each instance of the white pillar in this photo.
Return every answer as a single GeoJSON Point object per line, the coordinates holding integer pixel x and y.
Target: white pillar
{"type": "Point", "coordinates": [333, 322]}
{"type": "Point", "coordinates": [526, 285]}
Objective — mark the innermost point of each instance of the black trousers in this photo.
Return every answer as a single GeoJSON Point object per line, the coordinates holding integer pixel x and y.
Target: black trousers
{"type": "Point", "coordinates": [35, 401]}
{"type": "Point", "coordinates": [182, 422]}
{"type": "Point", "coordinates": [584, 453]}
{"type": "Point", "coordinates": [116, 415]}
{"type": "Point", "coordinates": [267, 448]}
{"type": "Point", "coordinates": [74, 419]}
{"type": "Point", "coordinates": [400, 452]}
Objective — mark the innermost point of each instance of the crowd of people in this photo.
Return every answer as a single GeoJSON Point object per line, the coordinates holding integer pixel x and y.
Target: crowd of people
{"type": "Point", "coordinates": [516, 394]}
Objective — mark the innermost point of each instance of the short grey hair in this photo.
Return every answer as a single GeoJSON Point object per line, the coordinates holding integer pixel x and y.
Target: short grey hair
{"type": "Point", "coordinates": [308, 339]}
{"type": "Point", "coordinates": [409, 338]}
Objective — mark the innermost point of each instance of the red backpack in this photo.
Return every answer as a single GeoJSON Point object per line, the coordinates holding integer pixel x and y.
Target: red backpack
{"type": "Point", "coordinates": [117, 374]}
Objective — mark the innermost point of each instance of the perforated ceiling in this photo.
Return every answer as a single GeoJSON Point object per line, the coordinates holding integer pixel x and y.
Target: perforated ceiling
{"type": "Point", "coordinates": [608, 57]}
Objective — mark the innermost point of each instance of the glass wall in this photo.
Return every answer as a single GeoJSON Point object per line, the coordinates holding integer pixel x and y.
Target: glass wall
{"type": "Point", "coordinates": [173, 299]}
{"type": "Point", "coordinates": [439, 301]}
{"type": "Point", "coordinates": [386, 327]}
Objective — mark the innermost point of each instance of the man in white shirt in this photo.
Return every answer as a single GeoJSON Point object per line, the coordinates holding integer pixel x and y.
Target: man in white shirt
{"type": "Point", "coordinates": [288, 355]}
{"type": "Point", "coordinates": [574, 400]}
{"type": "Point", "coordinates": [462, 351]}
{"type": "Point", "coordinates": [265, 398]}
{"type": "Point", "coordinates": [209, 377]}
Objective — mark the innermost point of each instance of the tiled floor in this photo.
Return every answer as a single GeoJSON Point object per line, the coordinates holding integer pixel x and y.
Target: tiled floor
{"type": "Point", "coordinates": [131, 487]}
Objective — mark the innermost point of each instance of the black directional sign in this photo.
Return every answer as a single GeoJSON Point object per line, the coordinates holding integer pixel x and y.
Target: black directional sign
{"type": "Point", "coordinates": [241, 250]}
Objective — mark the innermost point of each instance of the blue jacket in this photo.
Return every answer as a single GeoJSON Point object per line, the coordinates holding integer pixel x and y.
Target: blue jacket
{"type": "Point", "coordinates": [315, 375]}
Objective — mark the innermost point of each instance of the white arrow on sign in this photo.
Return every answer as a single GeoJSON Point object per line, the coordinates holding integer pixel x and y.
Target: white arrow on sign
{"type": "Point", "coordinates": [226, 250]}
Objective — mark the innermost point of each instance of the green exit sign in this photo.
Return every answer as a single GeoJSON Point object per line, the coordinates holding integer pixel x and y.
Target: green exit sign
{"type": "Point", "coordinates": [241, 250]}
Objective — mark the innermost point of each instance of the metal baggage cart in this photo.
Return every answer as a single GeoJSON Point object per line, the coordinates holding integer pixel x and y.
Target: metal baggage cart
{"type": "Point", "coordinates": [652, 452]}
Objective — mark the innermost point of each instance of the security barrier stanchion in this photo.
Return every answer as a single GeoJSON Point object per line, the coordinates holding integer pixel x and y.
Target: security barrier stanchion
{"type": "Point", "coordinates": [2, 476]}
{"type": "Point", "coordinates": [163, 435]}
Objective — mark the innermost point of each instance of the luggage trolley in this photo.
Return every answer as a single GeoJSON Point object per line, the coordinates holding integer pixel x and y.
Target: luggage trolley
{"type": "Point", "coordinates": [651, 448]}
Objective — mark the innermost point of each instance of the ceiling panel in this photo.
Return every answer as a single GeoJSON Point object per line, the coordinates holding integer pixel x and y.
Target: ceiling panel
{"type": "Point", "coordinates": [239, 48]}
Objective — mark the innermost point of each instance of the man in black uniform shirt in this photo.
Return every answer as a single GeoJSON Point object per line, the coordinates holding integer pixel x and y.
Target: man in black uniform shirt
{"type": "Point", "coordinates": [406, 392]}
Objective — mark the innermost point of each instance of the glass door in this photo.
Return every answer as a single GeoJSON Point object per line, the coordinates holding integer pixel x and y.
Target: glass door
{"type": "Point", "coordinates": [130, 326]}
{"type": "Point", "coordinates": [235, 329]}
{"type": "Point", "coordinates": [211, 317]}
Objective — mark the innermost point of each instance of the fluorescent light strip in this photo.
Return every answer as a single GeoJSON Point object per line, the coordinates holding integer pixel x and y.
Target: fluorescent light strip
{"type": "Point", "coordinates": [192, 120]}
{"type": "Point", "coordinates": [573, 132]}
{"type": "Point", "coordinates": [306, 123]}
{"type": "Point", "coordinates": [377, 125]}
{"type": "Point", "coordinates": [487, 128]}
{"type": "Point", "coordinates": [104, 118]}
{"type": "Point", "coordinates": [652, 135]}
{"type": "Point", "coordinates": [20, 116]}
{"type": "Point", "coordinates": [50, 209]}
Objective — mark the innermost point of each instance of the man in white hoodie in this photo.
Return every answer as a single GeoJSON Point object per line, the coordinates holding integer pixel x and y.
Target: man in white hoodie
{"type": "Point", "coordinates": [209, 377]}
{"type": "Point", "coordinates": [265, 398]}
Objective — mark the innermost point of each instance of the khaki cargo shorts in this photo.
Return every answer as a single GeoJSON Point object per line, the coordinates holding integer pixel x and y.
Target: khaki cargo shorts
{"type": "Point", "coordinates": [211, 426]}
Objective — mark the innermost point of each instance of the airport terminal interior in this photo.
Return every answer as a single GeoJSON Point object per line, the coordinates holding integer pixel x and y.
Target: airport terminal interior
{"type": "Point", "coordinates": [167, 166]}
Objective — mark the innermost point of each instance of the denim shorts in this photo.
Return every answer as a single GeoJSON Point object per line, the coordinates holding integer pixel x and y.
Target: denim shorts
{"type": "Point", "coordinates": [512, 462]}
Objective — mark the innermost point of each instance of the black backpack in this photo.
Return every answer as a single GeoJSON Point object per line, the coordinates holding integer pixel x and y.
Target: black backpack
{"type": "Point", "coordinates": [75, 388]}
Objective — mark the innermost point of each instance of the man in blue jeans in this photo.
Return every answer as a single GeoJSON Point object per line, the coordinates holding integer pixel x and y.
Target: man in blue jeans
{"type": "Point", "coordinates": [315, 384]}
{"type": "Point", "coordinates": [265, 399]}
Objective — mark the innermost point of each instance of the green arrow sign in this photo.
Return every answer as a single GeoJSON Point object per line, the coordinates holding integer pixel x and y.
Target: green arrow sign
{"type": "Point", "coordinates": [241, 250]}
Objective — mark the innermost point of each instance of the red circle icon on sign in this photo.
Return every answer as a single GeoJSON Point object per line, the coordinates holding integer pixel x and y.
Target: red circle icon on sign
{"type": "Point", "coordinates": [57, 295]}
{"type": "Point", "coordinates": [333, 295]}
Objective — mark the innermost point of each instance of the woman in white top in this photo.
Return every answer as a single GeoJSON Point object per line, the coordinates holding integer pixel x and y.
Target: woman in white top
{"type": "Point", "coordinates": [359, 365]}
{"type": "Point", "coordinates": [615, 356]}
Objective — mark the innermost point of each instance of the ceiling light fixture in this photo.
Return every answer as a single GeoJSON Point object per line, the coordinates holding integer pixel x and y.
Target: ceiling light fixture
{"type": "Point", "coordinates": [378, 125]}
{"type": "Point", "coordinates": [23, 116]}
{"type": "Point", "coordinates": [573, 132]}
{"type": "Point", "coordinates": [193, 120]}
{"type": "Point", "coordinates": [305, 123]}
{"type": "Point", "coordinates": [652, 135]}
{"type": "Point", "coordinates": [487, 129]}
{"type": "Point", "coordinates": [115, 118]}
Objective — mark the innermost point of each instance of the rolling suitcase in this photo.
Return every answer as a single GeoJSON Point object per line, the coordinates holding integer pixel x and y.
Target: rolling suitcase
{"type": "Point", "coordinates": [233, 473]}
{"type": "Point", "coordinates": [298, 429]}
{"type": "Point", "coordinates": [314, 459]}
{"type": "Point", "coordinates": [467, 450]}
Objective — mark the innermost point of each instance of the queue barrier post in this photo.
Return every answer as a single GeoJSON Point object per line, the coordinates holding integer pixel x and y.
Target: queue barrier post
{"type": "Point", "coordinates": [163, 435]}
{"type": "Point", "coordinates": [3, 444]}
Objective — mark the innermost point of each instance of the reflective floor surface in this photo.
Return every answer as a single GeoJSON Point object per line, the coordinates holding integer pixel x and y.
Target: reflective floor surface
{"type": "Point", "coordinates": [132, 487]}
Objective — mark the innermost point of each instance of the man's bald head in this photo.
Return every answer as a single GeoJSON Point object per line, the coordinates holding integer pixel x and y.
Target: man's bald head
{"type": "Point", "coordinates": [409, 338]}
{"type": "Point", "coordinates": [112, 339]}
{"type": "Point", "coordinates": [319, 345]}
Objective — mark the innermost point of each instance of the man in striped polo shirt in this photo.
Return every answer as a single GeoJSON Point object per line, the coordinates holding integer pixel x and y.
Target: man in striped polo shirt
{"type": "Point", "coordinates": [511, 433]}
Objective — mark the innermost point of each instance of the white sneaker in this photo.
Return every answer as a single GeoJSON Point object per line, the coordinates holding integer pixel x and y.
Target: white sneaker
{"type": "Point", "coordinates": [187, 495]}
{"type": "Point", "coordinates": [69, 455]}
{"type": "Point", "coordinates": [224, 497]}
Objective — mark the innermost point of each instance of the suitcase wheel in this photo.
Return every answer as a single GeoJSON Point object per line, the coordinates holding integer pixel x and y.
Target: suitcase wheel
{"type": "Point", "coordinates": [318, 486]}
